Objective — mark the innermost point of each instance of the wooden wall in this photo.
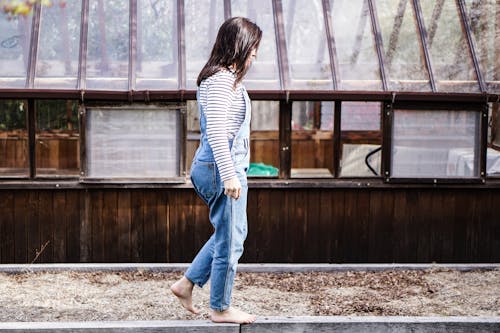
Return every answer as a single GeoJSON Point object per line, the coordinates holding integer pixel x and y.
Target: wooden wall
{"type": "Point", "coordinates": [334, 225]}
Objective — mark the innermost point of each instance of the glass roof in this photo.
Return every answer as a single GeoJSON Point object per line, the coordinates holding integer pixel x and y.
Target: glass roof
{"type": "Point", "coordinates": [308, 45]}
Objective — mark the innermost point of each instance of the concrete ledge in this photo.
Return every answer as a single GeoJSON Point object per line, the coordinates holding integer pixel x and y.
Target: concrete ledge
{"type": "Point", "coordinates": [171, 326]}
{"type": "Point", "coordinates": [273, 325]}
{"type": "Point", "coordinates": [374, 324]}
{"type": "Point", "coordinates": [256, 268]}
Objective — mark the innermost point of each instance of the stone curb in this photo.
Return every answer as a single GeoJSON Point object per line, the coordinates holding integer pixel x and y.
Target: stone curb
{"type": "Point", "coordinates": [256, 268]}
{"type": "Point", "coordinates": [359, 324]}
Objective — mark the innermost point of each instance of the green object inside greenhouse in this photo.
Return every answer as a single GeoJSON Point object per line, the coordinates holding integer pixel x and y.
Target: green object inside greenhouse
{"type": "Point", "coordinates": [262, 170]}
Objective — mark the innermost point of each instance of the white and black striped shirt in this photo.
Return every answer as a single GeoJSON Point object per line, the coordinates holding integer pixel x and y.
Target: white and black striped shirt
{"type": "Point", "coordinates": [224, 108]}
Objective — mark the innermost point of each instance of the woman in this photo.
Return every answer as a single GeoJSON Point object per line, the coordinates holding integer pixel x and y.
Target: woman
{"type": "Point", "coordinates": [218, 171]}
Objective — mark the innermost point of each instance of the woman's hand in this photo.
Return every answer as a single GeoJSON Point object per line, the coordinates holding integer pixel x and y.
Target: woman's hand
{"type": "Point", "coordinates": [232, 187]}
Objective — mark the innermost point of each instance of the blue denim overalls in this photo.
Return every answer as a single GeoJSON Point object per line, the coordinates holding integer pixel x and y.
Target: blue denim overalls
{"type": "Point", "coordinates": [219, 256]}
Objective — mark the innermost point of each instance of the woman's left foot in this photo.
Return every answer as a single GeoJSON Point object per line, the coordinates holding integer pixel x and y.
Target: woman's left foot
{"type": "Point", "coordinates": [183, 289]}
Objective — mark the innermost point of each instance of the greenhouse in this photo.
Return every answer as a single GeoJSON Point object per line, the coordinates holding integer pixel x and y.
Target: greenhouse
{"type": "Point", "coordinates": [375, 130]}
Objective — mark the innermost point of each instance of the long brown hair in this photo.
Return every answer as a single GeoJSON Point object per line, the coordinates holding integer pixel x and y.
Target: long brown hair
{"type": "Point", "coordinates": [236, 39]}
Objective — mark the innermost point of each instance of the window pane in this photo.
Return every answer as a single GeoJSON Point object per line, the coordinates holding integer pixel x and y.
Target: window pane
{"type": "Point", "coordinates": [203, 19]}
{"type": "Point", "coordinates": [485, 30]}
{"type": "Point", "coordinates": [133, 142]}
{"type": "Point", "coordinates": [306, 45]}
{"type": "Point", "coordinates": [13, 138]}
{"type": "Point", "coordinates": [264, 72]}
{"type": "Point", "coordinates": [355, 46]}
{"type": "Point", "coordinates": [404, 62]}
{"type": "Point", "coordinates": [361, 139]}
{"type": "Point", "coordinates": [451, 61]}
{"type": "Point", "coordinates": [59, 46]}
{"type": "Point", "coordinates": [157, 45]}
{"type": "Point", "coordinates": [312, 147]}
{"type": "Point", "coordinates": [435, 144]}
{"type": "Point", "coordinates": [264, 146]}
{"type": "Point", "coordinates": [108, 45]}
{"type": "Point", "coordinates": [493, 154]}
{"type": "Point", "coordinates": [14, 50]}
{"type": "Point", "coordinates": [57, 138]}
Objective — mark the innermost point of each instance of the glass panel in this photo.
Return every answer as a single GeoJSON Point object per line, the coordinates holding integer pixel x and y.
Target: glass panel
{"type": "Point", "coordinates": [361, 139]}
{"type": "Point", "coordinates": [157, 45]}
{"type": "Point", "coordinates": [404, 62]}
{"type": "Point", "coordinates": [264, 72]}
{"type": "Point", "coordinates": [355, 46]}
{"type": "Point", "coordinates": [435, 144]}
{"type": "Point", "coordinates": [59, 46]}
{"type": "Point", "coordinates": [451, 61]}
{"type": "Point", "coordinates": [14, 50]}
{"type": "Point", "coordinates": [264, 146]}
{"type": "Point", "coordinates": [13, 138]}
{"type": "Point", "coordinates": [133, 142]}
{"type": "Point", "coordinates": [312, 147]}
{"type": "Point", "coordinates": [203, 19]}
{"type": "Point", "coordinates": [493, 153]}
{"type": "Point", "coordinates": [484, 19]}
{"type": "Point", "coordinates": [108, 45]}
{"type": "Point", "coordinates": [306, 45]}
{"type": "Point", "coordinates": [57, 138]}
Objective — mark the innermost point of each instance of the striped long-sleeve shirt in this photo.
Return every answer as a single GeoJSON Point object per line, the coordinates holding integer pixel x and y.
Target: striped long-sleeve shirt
{"type": "Point", "coordinates": [224, 108]}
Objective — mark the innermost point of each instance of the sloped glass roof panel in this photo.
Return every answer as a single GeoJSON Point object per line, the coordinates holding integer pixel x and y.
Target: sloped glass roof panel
{"type": "Point", "coordinates": [15, 36]}
{"type": "Point", "coordinates": [484, 20]}
{"type": "Point", "coordinates": [306, 43]}
{"type": "Point", "coordinates": [108, 45]}
{"type": "Point", "coordinates": [451, 60]}
{"type": "Point", "coordinates": [355, 45]}
{"type": "Point", "coordinates": [404, 61]}
{"type": "Point", "coordinates": [157, 45]}
{"type": "Point", "coordinates": [202, 21]}
{"type": "Point", "coordinates": [264, 73]}
{"type": "Point", "coordinates": [58, 46]}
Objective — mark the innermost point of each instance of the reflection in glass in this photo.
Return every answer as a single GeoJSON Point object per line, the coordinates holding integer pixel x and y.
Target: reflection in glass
{"type": "Point", "coordinates": [14, 50]}
{"type": "Point", "coordinates": [13, 138]}
{"type": "Point", "coordinates": [203, 19]}
{"type": "Point", "coordinates": [451, 60]}
{"type": "Point", "coordinates": [404, 63]}
{"type": "Point", "coordinates": [435, 144]}
{"type": "Point", "coordinates": [157, 45]}
{"type": "Point", "coordinates": [355, 46]}
{"type": "Point", "coordinates": [312, 144]}
{"type": "Point", "coordinates": [361, 139]}
{"type": "Point", "coordinates": [307, 45]}
{"type": "Point", "coordinates": [57, 138]}
{"type": "Point", "coordinates": [485, 31]}
{"type": "Point", "coordinates": [264, 71]}
{"type": "Point", "coordinates": [108, 45]}
{"type": "Point", "coordinates": [58, 46]}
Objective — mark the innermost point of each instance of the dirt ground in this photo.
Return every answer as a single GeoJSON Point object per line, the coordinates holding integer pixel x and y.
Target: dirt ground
{"type": "Point", "coordinates": [141, 295]}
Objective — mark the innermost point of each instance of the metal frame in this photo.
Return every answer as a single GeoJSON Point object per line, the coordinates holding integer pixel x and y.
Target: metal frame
{"type": "Point", "coordinates": [35, 34]}
{"type": "Point", "coordinates": [332, 50]}
{"type": "Point", "coordinates": [378, 43]}
{"type": "Point", "coordinates": [82, 57]}
{"type": "Point", "coordinates": [423, 42]}
{"type": "Point", "coordinates": [132, 48]}
{"type": "Point", "coordinates": [279, 28]}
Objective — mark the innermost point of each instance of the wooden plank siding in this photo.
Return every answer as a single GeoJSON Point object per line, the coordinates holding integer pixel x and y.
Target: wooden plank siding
{"type": "Point", "coordinates": [324, 225]}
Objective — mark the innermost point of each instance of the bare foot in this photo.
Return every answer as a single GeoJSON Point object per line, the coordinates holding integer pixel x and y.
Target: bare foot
{"type": "Point", "coordinates": [183, 289]}
{"type": "Point", "coordinates": [232, 315]}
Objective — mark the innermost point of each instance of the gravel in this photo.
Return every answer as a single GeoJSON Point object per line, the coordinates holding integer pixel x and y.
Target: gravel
{"type": "Point", "coordinates": [143, 295]}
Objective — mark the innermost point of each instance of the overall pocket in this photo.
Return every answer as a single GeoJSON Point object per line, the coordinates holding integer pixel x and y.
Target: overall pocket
{"type": "Point", "coordinates": [204, 179]}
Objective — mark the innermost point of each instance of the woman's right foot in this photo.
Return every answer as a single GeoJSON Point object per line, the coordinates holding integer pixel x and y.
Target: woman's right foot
{"type": "Point", "coordinates": [232, 315]}
{"type": "Point", "coordinates": [183, 289]}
